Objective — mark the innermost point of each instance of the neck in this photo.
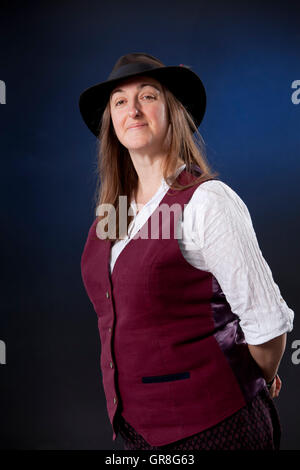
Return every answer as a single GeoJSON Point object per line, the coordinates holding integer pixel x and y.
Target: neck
{"type": "Point", "coordinates": [148, 183]}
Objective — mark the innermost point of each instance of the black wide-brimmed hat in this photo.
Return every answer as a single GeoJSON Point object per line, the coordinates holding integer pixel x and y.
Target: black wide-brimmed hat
{"type": "Point", "coordinates": [179, 79]}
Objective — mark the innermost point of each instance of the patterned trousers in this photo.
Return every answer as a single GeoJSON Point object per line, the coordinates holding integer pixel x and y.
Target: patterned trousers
{"type": "Point", "coordinates": [256, 426]}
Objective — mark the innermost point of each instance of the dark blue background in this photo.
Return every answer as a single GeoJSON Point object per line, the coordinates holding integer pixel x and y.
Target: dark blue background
{"type": "Point", "coordinates": [247, 54]}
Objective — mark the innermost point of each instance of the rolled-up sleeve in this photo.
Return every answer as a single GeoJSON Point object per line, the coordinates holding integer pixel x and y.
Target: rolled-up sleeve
{"type": "Point", "coordinates": [231, 253]}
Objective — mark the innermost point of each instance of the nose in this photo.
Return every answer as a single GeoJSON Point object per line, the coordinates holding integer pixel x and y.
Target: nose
{"type": "Point", "coordinates": [134, 112]}
{"type": "Point", "coordinates": [133, 109]}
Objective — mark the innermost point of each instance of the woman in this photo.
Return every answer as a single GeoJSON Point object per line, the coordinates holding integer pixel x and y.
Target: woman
{"type": "Point", "coordinates": [192, 324]}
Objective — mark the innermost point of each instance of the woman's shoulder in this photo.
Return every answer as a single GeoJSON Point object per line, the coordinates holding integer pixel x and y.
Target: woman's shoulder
{"type": "Point", "coordinates": [215, 196]}
{"type": "Point", "coordinates": [216, 189]}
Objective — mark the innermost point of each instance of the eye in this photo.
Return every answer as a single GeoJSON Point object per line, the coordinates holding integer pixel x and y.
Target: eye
{"type": "Point", "coordinates": [148, 96]}
{"type": "Point", "coordinates": [145, 96]}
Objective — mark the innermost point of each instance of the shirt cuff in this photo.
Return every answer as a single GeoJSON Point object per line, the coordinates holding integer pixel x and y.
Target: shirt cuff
{"type": "Point", "coordinates": [267, 336]}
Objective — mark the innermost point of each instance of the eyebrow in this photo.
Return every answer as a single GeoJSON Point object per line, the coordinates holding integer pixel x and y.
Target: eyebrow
{"type": "Point", "coordinates": [139, 87]}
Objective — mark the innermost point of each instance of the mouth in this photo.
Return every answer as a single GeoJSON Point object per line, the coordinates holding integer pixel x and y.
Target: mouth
{"type": "Point", "coordinates": [137, 126]}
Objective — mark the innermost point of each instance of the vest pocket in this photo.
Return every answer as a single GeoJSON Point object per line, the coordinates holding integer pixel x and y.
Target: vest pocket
{"type": "Point", "coordinates": [166, 378]}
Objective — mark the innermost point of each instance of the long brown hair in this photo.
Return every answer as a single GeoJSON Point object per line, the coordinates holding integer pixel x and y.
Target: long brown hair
{"type": "Point", "coordinates": [115, 170]}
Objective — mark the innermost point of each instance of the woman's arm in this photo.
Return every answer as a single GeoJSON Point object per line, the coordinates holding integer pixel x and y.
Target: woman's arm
{"type": "Point", "coordinates": [268, 355]}
{"type": "Point", "coordinates": [226, 245]}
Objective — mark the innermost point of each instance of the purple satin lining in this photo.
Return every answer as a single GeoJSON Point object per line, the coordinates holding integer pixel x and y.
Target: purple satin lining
{"type": "Point", "coordinates": [231, 340]}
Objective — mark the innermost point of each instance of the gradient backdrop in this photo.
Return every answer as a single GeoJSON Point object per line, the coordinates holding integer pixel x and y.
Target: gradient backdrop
{"type": "Point", "coordinates": [247, 54]}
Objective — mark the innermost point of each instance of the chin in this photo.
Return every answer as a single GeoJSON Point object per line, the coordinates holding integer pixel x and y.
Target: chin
{"type": "Point", "coordinates": [137, 145]}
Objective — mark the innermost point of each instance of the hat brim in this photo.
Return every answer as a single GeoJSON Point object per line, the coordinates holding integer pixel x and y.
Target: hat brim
{"type": "Point", "coordinates": [180, 80]}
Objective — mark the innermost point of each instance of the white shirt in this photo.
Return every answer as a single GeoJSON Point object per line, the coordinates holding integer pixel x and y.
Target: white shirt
{"type": "Point", "coordinates": [218, 236]}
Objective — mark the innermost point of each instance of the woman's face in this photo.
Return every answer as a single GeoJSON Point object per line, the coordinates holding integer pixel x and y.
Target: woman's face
{"type": "Point", "coordinates": [139, 101]}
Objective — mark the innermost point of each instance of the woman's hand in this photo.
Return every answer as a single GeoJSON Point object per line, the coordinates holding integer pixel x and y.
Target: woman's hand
{"type": "Point", "coordinates": [276, 387]}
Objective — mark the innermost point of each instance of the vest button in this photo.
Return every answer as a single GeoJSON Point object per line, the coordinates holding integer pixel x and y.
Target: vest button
{"type": "Point", "coordinates": [107, 294]}
{"type": "Point", "coordinates": [111, 364]}
{"type": "Point", "coordinates": [115, 400]}
{"type": "Point", "coordinates": [109, 329]}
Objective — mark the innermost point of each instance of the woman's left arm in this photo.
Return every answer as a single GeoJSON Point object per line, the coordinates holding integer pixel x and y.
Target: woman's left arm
{"type": "Point", "coordinates": [228, 248]}
{"type": "Point", "coordinates": [268, 355]}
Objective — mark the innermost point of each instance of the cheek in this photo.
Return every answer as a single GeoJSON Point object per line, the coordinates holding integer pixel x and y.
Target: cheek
{"type": "Point", "coordinates": [116, 123]}
{"type": "Point", "coordinates": [161, 117]}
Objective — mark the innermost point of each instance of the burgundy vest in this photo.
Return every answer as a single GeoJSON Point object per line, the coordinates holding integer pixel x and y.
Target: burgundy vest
{"type": "Point", "coordinates": [174, 359]}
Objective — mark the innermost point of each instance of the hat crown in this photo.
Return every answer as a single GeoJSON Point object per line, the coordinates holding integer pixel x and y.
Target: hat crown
{"type": "Point", "coordinates": [137, 57]}
{"type": "Point", "coordinates": [136, 62]}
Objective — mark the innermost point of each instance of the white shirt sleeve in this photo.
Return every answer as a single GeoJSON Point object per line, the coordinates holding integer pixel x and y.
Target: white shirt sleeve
{"type": "Point", "coordinates": [219, 237]}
